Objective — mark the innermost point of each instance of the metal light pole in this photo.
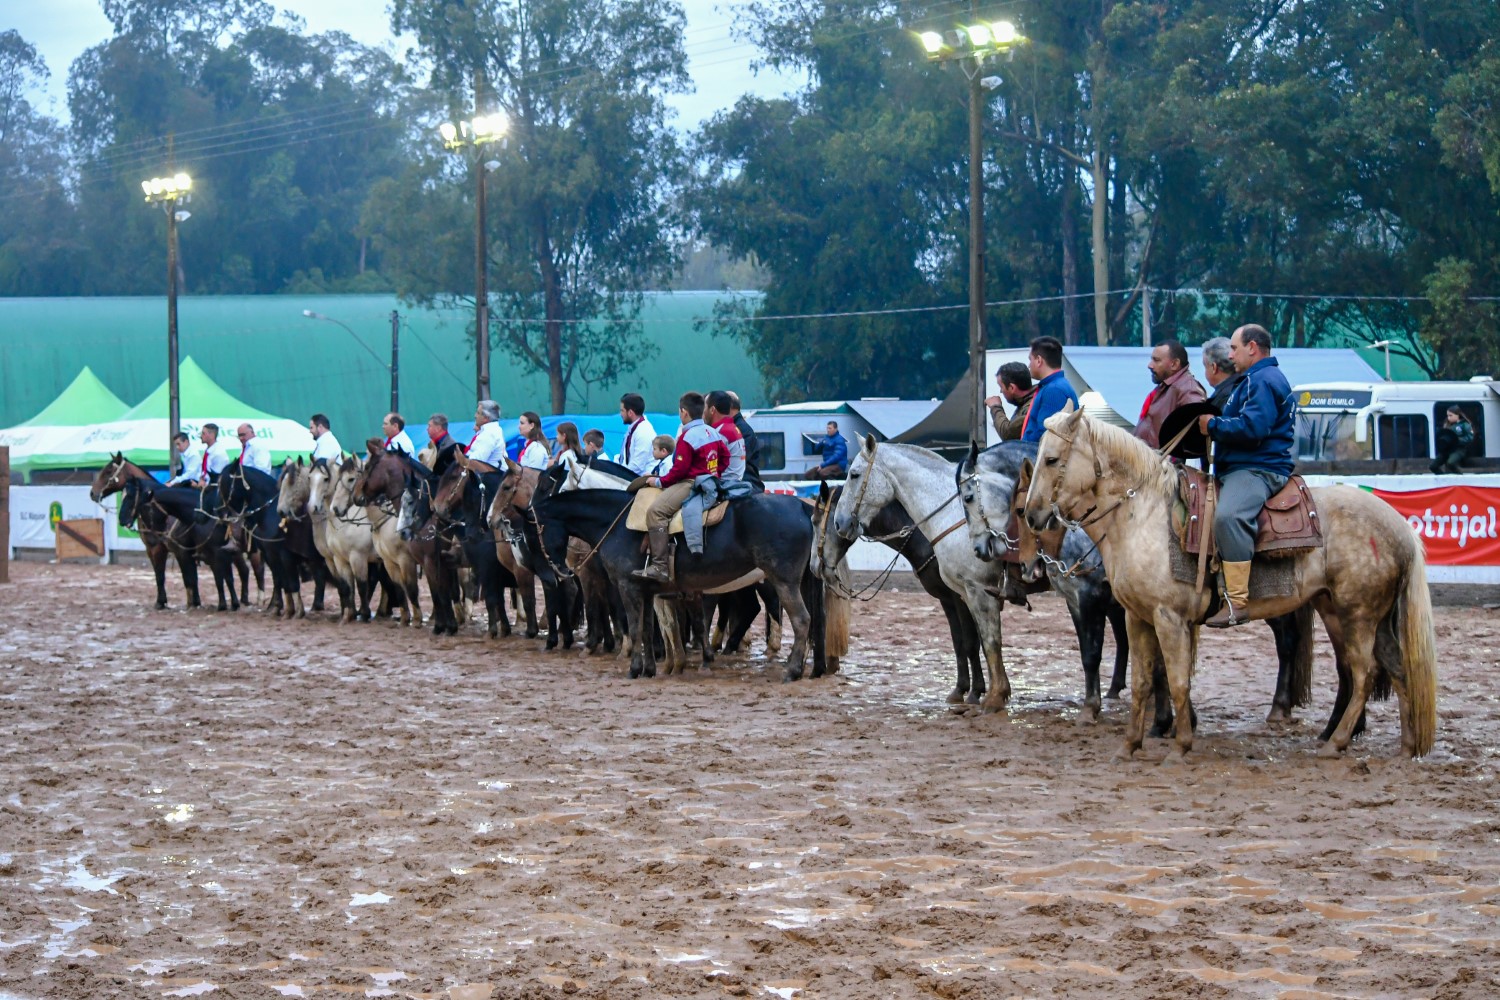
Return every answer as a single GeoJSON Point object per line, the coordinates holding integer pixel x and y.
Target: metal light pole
{"type": "Point", "coordinates": [969, 46]}
{"type": "Point", "coordinates": [167, 192]}
{"type": "Point", "coordinates": [1387, 345]}
{"type": "Point", "coordinates": [478, 133]}
{"type": "Point", "coordinates": [393, 367]}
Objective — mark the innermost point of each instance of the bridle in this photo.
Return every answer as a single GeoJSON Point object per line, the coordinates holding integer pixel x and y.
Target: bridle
{"type": "Point", "coordinates": [1093, 515]}
{"type": "Point", "coordinates": [904, 533]}
{"type": "Point", "coordinates": [984, 518]}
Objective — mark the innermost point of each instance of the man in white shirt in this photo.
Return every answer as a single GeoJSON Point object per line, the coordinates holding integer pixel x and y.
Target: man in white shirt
{"type": "Point", "coordinates": [636, 455]}
{"type": "Point", "coordinates": [212, 459]}
{"type": "Point", "coordinates": [325, 445]}
{"type": "Point", "coordinates": [253, 452]}
{"type": "Point", "coordinates": [191, 459]}
{"type": "Point", "coordinates": [395, 434]}
{"type": "Point", "coordinates": [488, 443]}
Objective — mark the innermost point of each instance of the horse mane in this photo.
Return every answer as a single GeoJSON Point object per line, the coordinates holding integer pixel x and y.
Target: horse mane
{"type": "Point", "coordinates": [1126, 453]}
{"type": "Point", "coordinates": [609, 468]}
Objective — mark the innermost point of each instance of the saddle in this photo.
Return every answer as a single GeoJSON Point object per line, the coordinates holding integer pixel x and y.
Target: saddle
{"type": "Point", "coordinates": [1287, 525]}
{"type": "Point", "coordinates": [646, 496]}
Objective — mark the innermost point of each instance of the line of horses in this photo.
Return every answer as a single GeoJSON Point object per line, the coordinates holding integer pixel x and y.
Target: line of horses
{"type": "Point", "coordinates": [1088, 513]}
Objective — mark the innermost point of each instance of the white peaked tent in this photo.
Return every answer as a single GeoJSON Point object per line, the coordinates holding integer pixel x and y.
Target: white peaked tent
{"type": "Point", "coordinates": [85, 402]}
{"type": "Point", "coordinates": [141, 432]}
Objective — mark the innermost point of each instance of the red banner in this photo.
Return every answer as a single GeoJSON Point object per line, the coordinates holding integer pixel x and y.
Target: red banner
{"type": "Point", "coordinates": [1456, 523]}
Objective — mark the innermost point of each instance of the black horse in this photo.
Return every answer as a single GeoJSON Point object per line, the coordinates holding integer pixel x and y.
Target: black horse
{"type": "Point", "coordinates": [461, 499]}
{"type": "Point", "coordinates": [193, 530]}
{"type": "Point", "coordinates": [251, 495]}
{"type": "Point", "coordinates": [765, 532]}
{"type": "Point", "coordinates": [431, 540]}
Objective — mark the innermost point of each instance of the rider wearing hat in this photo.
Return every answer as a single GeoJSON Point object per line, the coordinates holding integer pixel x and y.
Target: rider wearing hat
{"type": "Point", "coordinates": [1254, 439]}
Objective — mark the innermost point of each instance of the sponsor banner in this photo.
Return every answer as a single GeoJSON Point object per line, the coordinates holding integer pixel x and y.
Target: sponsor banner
{"type": "Point", "coordinates": [35, 511]}
{"type": "Point", "coordinates": [1457, 524]}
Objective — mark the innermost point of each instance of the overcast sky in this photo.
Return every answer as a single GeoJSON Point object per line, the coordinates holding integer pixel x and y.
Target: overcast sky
{"type": "Point", "coordinates": [62, 29]}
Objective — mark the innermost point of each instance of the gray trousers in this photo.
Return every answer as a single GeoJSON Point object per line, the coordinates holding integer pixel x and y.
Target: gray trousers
{"type": "Point", "coordinates": [1242, 494]}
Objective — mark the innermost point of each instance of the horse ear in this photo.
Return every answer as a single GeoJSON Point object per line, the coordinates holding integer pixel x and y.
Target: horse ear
{"type": "Point", "coordinates": [299, 461]}
{"type": "Point", "coordinates": [823, 492]}
{"type": "Point", "coordinates": [1027, 469]}
{"type": "Point", "coordinates": [869, 444]}
{"type": "Point", "coordinates": [511, 466]}
{"type": "Point", "coordinates": [973, 453]}
{"type": "Point", "coordinates": [1068, 407]}
{"type": "Point", "coordinates": [461, 457]}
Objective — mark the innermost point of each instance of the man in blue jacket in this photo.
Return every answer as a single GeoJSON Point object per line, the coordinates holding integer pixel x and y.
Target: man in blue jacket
{"type": "Point", "coordinates": [835, 461]}
{"type": "Point", "coordinates": [1254, 440]}
{"type": "Point", "coordinates": [1052, 389]}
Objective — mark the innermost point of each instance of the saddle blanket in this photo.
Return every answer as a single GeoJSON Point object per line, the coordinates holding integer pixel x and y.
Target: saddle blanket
{"type": "Point", "coordinates": [1287, 525]}
{"type": "Point", "coordinates": [646, 496]}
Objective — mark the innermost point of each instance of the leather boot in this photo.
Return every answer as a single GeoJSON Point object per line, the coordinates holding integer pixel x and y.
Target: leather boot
{"type": "Point", "coordinates": [656, 569]}
{"type": "Point", "coordinates": [1236, 596]}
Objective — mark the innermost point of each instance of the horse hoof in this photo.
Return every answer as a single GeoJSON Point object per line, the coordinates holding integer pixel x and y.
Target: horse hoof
{"type": "Point", "coordinates": [1113, 694]}
{"type": "Point", "coordinates": [1330, 752]}
{"type": "Point", "coordinates": [956, 696]}
{"type": "Point", "coordinates": [1127, 752]}
{"type": "Point", "coordinates": [1088, 717]}
{"type": "Point", "coordinates": [1176, 757]}
{"type": "Point", "coordinates": [1278, 716]}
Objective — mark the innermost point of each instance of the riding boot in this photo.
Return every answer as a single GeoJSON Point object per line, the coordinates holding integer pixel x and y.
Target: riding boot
{"type": "Point", "coordinates": [1236, 596]}
{"type": "Point", "coordinates": [656, 569]}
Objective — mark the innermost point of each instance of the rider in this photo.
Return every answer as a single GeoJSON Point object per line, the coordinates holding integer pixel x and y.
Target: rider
{"type": "Point", "coordinates": [443, 445]}
{"type": "Point", "coordinates": [1218, 369]}
{"type": "Point", "coordinates": [752, 444]}
{"type": "Point", "coordinates": [488, 443]}
{"type": "Point", "coordinates": [192, 458]}
{"type": "Point", "coordinates": [396, 439]}
{"type": "Point", "coordinates": [636, 454]}
{"type": "Point", "coordinates": [700, 454]}
{"type": "Point", "coordinates": [1174, 387]}
{"type": "Point", "coordinates": [1254, 439]}
{"type": "Point", "coordinates": [716, 413]}
{"type": "Point", "coordinates": [253, 452]}
{"type": "Point", "coordinates": [1052, 389]}
{"type": "Point", "coordinates": [213, 459]}
{"type": "Point", "coordinates": [325, 446]}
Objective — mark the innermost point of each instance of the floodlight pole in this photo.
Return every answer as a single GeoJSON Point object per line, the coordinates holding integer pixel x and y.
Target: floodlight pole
{"type": "Point", "coordinates": [978, 336]}
{"type": "Point", "coordinates": [174, 406]}
{"type": "Point", "coordinates": [481, 285]}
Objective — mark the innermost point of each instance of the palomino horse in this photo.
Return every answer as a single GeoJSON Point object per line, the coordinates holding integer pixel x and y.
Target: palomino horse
{"type": "Point", "coordinates": [1368, 580]}
{"type": "Point", "coordinates": [378, 488]}
{"type": "Point", "coordinates": [918, 480]}
{"type": "Point", "coordinates": [350, 547]}
{"type": "Point", "coordinates": [896, 530]}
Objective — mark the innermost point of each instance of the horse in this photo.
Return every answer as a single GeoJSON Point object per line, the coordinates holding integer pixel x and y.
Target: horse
{"type": "Point", "coordinates": [350, 549]}
{"type": "Point", "coordinates": [251, 495]}
{"type": "Point", "coordinates": [193, 530]}
{"type": "Point", "coordinates": [459, 499]}
{"type": "Point", "coordinates": [301, 531]}
{"type": "Point", "coordinates": [764, 532]}
{"type": "Point", "coordinates": [153, 526]}
{"type": "Point", "coordinates": [377, 488]}
{"type": "Point", "coordinates": [1368, 580]}
{"type": "Point", "coordinates": [428, 537]}
{"type": "Point", "coordinates": [895, 529]}
{"type": "Point", "coordinates": [917, 480]}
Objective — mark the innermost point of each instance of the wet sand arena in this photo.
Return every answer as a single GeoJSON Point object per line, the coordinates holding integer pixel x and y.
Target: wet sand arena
{"type": "Point", "coordinates": [227, 805]}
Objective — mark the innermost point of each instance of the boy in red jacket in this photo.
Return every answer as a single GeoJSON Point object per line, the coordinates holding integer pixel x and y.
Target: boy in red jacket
{"type": "Point", "coordinates": [700, 452]}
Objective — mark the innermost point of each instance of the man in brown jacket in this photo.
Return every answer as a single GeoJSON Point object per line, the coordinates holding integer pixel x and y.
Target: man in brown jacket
{"type": "Point", "coordinates": [1016, 387]}
{"type": "Point", "coordinates": [1175, 386]}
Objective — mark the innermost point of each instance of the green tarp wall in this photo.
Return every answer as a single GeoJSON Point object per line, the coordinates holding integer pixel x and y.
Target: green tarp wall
{"type": "Point", "coordinates": [264, 351]}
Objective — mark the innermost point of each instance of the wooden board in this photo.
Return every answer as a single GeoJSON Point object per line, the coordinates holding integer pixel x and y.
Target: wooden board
{"type": "Point", "coordinates": [80, 539]}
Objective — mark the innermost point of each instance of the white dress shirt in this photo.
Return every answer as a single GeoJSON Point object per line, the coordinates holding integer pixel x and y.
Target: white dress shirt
{"type": "Point", "coordinates": [637, 454]}
{"type": "Point", "coordinates": [400, 442]}
{"type": "Point", "coordinates": [534, 456]}
{"type": "Point", "coordinates": [327, 447]}
{"type": "Point", "coordinates": [192, 466]}
{"type": "Point", "coordinates": [255, 455]}
{"type": "Point", "coordinates": [488, 446]}
{"type": "Point", "coordinates": [212, 461]}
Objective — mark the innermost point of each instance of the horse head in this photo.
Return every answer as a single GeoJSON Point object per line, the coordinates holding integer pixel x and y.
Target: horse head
{"type": "Point", "coordinates": [110, 479]}
{"type": "Point", "coordinates": [828, 548]}
{"type": "Point", "coordinates": [383, 477]}
{"type": "Point", "coordinates": [234, 488]}
{"type": "Point", "coordinates": [130, 504]}
{"type": "Point", "coordinates": [320, 477]}
{"type": "Point", "coordinates": [346, 486]}
{"type": "Point", "coordinates": [448, 496]}
{"type": "Point", "coordinates": [292, 489]}
{"type": "Point", "coordinates": [514, 495]}
{"type": "Point", "coordinates": [986, 484]}
{"type": "Point", "coordinates": [867, 489]}
{"type": "Point", "coordinates": [1033, 545]}
{"type": "Point", "coordinates": [408, 521]}
{"type": "Point", "coordinates": [1065, 476]}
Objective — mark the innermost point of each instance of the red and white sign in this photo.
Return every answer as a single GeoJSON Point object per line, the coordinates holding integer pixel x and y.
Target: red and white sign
{"type": "Point", "coordinates": [1457, 524]}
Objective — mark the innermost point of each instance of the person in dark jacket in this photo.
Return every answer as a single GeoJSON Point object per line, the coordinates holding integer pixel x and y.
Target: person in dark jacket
{"type": "Point", "coordinates": [1254, 439]}
{"type": "Point", "coordinates": [442, 442]}
{"type": "Point", "coordinates": [1453, 441]}
{"type": "Point", "coordinates": [1219, 371]}
{"type": "Point", "coordinates": [1016, 389]}
{"type": "Point", "coordinates": [752, 444]}
{"type": "Point", "coordinates": [835, 461]}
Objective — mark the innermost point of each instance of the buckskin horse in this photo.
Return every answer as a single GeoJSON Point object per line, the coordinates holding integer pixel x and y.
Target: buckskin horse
{"type": "Point", "coordinates": [765, 532]}
{"type": "Point", "coordinates": [1368, 580]}
{"type": "Point", "coordinates": [378, 489]}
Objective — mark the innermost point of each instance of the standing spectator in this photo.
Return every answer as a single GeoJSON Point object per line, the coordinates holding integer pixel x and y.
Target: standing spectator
{"type": "Point", "coordinates": [1453, 441]}
{"type": "Point", "coordinates": [1052, 389]}
{"type": "Point", "coordinates": [1175, 386]}
{"type": "Point", "coordinates": [752, 444]}
{"type": "Point", "coordinates": [325, 445]}
{"type": "Point", "coordinates": [1015, 389]}
{"type": "Point", "coordinates": [535, 452]}
{"type": "Point", "coordinates": [396, 438]}
{"type": "Point", "coordinates": [636, 454]}
{"type": "Point", "coordinates": [190, 457]}
{"type": "Point", "coordinates": [253, 452]}
{"type": "Point", "coordinates": [835, 451]}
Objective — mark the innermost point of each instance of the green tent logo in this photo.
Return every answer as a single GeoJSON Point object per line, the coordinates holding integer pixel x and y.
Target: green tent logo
{"type": "Point", "coordinates": [54, 514]}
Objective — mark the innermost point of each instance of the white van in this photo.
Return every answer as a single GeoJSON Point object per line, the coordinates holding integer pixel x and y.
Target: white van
{"type": "Point", "coordinates": [1390, 427]}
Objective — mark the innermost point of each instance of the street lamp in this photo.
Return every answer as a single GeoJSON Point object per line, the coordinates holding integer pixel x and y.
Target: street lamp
{"type": "Point", "coordinates": [168, 192]}
{"type": "Point", "coordinates": [477, 133]}
{"type": "Point", "coordinates": [394, 367]}
{"type": "Point", "coordinates": [1387, 345]}
{"type": "Point", "coordinates": [970, 45]}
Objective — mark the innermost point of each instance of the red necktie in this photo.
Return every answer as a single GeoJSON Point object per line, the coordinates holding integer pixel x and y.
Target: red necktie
{"type": "Point", "coordinates": [471, 441]}
{"type": "Point", "coordinates": [387, 444]}
{"type": "Point", "coordinates": [243, 448]}
{"type": "Point", "coordinates": [205, 463]}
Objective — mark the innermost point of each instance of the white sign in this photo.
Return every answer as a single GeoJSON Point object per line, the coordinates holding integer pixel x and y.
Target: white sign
{"type": "Point", "coordinates": [32, 512]}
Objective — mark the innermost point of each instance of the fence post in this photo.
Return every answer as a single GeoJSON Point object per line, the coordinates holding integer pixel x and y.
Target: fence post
{"type": "Point", "coordinates": [4, 513]}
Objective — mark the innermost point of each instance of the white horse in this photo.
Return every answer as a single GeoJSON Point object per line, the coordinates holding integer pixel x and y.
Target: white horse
{"type": "Point", "coordinates": [1368, 580]}
{"type": "Point", "coordinates": [350, 546]}
{"type": "Point", "coordinates": [922, 482]}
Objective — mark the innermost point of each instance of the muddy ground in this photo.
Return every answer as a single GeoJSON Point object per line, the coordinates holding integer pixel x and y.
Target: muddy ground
{"type": "Point", "coordinates": [227, 805]}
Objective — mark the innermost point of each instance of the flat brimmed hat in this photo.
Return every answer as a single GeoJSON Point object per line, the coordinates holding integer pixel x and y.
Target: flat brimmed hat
{"type": "Point", "coordinates": [1194, 443]}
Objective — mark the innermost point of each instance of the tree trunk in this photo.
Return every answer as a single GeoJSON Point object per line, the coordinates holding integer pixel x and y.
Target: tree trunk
{"type": "Point", "coordinates": [1119, 227]}
{"type": "Point", "coordinates": [1071, 333]}
{"type": "Point", "coordinates": [553, 323]}
{"type": "Point", "coordinates": [1100, 245]}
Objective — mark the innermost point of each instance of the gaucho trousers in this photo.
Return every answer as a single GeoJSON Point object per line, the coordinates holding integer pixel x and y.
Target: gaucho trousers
{"type": "Point", "coordinates": [1242, 493]}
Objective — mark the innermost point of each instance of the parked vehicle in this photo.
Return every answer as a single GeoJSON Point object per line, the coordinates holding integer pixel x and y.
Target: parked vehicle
{"type": "Point", "coordinates": [1392, 427]}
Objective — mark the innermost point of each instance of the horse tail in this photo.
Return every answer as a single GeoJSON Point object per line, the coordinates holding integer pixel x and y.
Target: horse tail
{"type": "Point", "coordinates": [837, 606]}
{"type": "Point", "coordinates": [812, 597]}
{"type": "Point", "coordinates": [1300, 683]}
{"type": "Point", "coordinates": [1415, 654]}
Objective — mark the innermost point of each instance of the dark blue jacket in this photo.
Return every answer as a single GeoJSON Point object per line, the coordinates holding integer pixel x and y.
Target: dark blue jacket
{"type": "Point", "coordinates": [1258, 427]}
{"type": "Point", "coordinates": [1052, 394]}
{"type": "Point", "coordinates": [835, 451]}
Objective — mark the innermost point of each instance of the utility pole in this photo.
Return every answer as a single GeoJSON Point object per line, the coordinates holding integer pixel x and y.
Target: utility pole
{"type": "Point", "coordinates": [169, 191]}
{"type": "Point", "coordinates": [978, 338]}
{"type": "Point", "coordinates": [481, 286]}
{"type": "Point", "coordinates": [395, 361]}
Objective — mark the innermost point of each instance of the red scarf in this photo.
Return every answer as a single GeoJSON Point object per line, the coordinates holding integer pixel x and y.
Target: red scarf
{"type": "Point", "coordinates": [1151, 397]}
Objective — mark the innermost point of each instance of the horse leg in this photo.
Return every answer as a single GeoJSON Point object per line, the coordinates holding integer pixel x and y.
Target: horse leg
{"type": "Point", "coordinates": [158, 555]}
{"type": "Point", "coordinates": [643, 624]}
{"type": "Point", "coordinates": [1178, 641]}
{"type": "Point", "coordinates": [1116, 616]}
{"type": "Point", "coordinates": [189, 567]}
{"type": "Point", "coordinates": [951, 611]}
{"type": "Point", "coordinates": [1143, 657]}
{"type": "Point", "coordinates": [1089, 624]}
{"type": "Point", "coordinates": [788, 586]}
{"type": "Point", "coordinates": [1287, 630]}
{"type": "Point", "coordinates": [257, 563]}
{"type": "Point", "coordinates": [320, 583]}
{"type": "Point", "coordinates": [1358, 641]}
{"type": "Point", "coordinates": [411, 584]}
{"type": "Point", "coordinates": [985, 610]}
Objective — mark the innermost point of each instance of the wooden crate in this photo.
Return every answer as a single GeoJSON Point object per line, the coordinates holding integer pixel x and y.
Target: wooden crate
{"type": "Point", "coordinates": [80, 539]}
